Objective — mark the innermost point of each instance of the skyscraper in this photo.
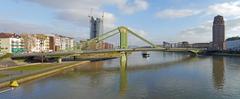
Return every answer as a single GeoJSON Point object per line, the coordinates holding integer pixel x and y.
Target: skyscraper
{"type": "Point", "coordinates": [96, 27]}
{"type": "Point", "coordinates": [218, 30]}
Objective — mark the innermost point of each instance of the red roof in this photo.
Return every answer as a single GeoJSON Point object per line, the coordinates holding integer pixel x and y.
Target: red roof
{"type": "Point", "coordinates": [8, 35]}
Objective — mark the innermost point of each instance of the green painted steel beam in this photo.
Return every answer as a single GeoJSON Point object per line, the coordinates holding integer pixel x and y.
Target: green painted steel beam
{"type": "Point", "coordinates": [123, 38]}
{"type": "Point", "coordinates": [105, 35]}
{"type": "Point", "coordinates": [123, 31]}
{"type": "Point", "coordinates": [138, 36]}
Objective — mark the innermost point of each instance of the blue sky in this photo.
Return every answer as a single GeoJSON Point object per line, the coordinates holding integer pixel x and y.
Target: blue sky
{"type": "Point", "coordinates": [157, 20]}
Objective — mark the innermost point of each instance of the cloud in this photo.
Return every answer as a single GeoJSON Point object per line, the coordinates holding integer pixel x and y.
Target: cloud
{"type": "Point", "coordinates": [126, 6]}
{"type": "Point", "coordinates": [226, 9]}
{"type": "Point", "coordinates": [11, 26]}
{"type": "Point", "coordinates": [175, 13]}
{"type": "Point", "coordinates": [80, 18]}
{"type": "Point", "coordinates": [18, 27]}
{"type": "Point", "coordinates": [203, 32]}
{"type": "Point", "coordinates": [77, 11]}
{"type": "Point", "coordinates": [130, 8]}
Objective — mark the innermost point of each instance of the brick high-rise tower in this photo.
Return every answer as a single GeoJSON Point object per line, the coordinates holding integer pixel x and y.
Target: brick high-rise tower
{"type": "Point", "coordinates": [218, 33]}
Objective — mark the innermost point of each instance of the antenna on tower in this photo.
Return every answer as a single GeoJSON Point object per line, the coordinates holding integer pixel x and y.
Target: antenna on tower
{"type": "Point", "coordinates": [91, 11]}
{"type": "Point", "coordinates": [103, 15]}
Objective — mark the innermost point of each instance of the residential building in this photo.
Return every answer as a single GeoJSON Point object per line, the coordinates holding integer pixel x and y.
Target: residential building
{"type": "Point", "coordinates": [29, 42]}
{"type": "Point", "coordinates": [218, 30]}
{"type": "Point", "coordinates": [66, 43]}
{"type": "Point", "coordinates": [11, 43]}
{"type": "Point", "coordinates": [54, 42]}
{"type": "Point", "coordinates": [47, 42]}
{"type": "Point", "coordinates": [42, 43]}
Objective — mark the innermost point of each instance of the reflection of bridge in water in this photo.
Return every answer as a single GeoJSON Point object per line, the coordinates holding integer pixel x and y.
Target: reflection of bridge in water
{"type": "Point", "coordinates": [97, 69]}
{"type": "Point", "coordinates": [123, 78]}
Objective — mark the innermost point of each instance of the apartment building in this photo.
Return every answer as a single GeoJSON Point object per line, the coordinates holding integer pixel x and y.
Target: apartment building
{"type": "Point", "coordinates": [11, 43]}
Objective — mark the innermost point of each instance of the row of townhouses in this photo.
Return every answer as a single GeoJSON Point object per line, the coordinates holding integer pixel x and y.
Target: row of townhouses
{"type": "Point", "coordinates": [29, 43]}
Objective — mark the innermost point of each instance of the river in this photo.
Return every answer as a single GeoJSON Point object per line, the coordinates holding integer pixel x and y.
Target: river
{"type": "Point", "coordinates": [164, 75]}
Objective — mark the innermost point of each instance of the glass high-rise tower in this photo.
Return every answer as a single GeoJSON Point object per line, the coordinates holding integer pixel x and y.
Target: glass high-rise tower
{"type": "Point", "coordinates": [96, 27]}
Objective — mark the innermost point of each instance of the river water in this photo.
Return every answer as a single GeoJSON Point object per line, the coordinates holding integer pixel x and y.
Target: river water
{"type": "Point", "coordinates": [163, 75]}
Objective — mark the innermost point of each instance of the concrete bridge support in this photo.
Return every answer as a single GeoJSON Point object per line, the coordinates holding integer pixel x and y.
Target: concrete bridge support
{"type": "Point", "coordinates": [123, 61]}
{"type": "Point", "coordinates": [74, 58]}
{"type": "Point", "coordinates": [59, 60]}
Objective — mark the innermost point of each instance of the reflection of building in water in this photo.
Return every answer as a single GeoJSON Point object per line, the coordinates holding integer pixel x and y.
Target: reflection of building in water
{"type": "Point", "coordinates": [123, 86]}
{"type": "Point", "coordinates": [93, 70]}
{"type": "Point", "coordinates": [92, 67]}
{"type": "Point", "coordinates": [218, 72]}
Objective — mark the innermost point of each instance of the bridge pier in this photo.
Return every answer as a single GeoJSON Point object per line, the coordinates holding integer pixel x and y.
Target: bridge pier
{"type": "Point", "coordinates": [74, 58]}
{"type": "Point", "coordinates": [123, 61]}
{"type": "Point", "coordinates": [59, 60]}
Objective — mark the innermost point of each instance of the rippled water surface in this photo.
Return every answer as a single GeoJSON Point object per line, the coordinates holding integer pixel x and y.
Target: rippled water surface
{"type": "Point", "coordinates": [163, 75]}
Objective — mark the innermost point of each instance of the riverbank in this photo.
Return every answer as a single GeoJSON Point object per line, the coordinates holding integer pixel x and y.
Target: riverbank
{"type": "Point", "coordinates": [23, 74]}
{"type": "Point", "coordinates": [221, 53]}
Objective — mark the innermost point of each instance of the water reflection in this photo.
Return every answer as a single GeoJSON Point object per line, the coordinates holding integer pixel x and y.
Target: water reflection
{"type": "Point", "coordinates": [92, 67]}
{"type": "Point", "coordinates": [123, 83]}
{"type": "Point", "coordinates": [218, 72]}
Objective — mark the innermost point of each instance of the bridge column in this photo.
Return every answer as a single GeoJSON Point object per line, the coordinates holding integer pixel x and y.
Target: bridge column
{"type": "Point", "coordinates": [74, 58]}
{"type": "Point", "coordinates": [59, 60]}
{"type": "Point", "coordinates": [123, 61]}
{"type": "Point", "coordinates": [123, 38]}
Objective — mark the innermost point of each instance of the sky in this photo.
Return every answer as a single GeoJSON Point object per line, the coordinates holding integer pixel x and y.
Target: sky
{"type": "Point", "coordinates": [156, 20]}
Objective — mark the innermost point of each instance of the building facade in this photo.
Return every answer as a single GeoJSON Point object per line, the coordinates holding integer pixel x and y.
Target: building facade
{"type": "Point", "coordinates": [11, 43]}
{"type": "Point", "coordinates": [66, 43]}
{"type": "Point", "coordinates": [42, 43]}
{"type": "Point", "coordinates": [218, 31]}
{"type": "Point", "coordinates": [96, 27]}
{"type": "Point", "coordinates": [183, 44]}
{"type": "Point", "coordinates": [201, 45]}
{"type": "Point", "coordinates": [47, 42]}
{"type": "Point", "coordinates": [233, 44]}
{"type": "Point", "coordinates": [30, 42]}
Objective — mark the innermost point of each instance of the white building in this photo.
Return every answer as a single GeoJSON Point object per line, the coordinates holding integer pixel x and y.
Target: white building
{"type": "Point", "coordinates": [66, 43]}
{"type": "Point", "coordinates": [41, 43]}
{"type": "Point", "coordinates": [233, 45]}
{"type": "Point", "coordinates": [11, 43]}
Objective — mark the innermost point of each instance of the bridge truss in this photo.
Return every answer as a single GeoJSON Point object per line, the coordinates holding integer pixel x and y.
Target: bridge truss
{"type": "Point", "coordinates": [123, 31]}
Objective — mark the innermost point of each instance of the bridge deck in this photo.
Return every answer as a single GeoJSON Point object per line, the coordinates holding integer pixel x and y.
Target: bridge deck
{"type": "Point", "coordinates": [63, 54]}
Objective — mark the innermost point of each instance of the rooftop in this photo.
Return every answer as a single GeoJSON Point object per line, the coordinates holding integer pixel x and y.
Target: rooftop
{"type": "Point", "coordinates": [233, 38]}
{"type": "Point", "coordinates": [8, 35]}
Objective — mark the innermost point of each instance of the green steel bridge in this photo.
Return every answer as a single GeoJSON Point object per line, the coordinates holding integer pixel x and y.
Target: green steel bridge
{"type": "Point", "coordinates": [123, 50]}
